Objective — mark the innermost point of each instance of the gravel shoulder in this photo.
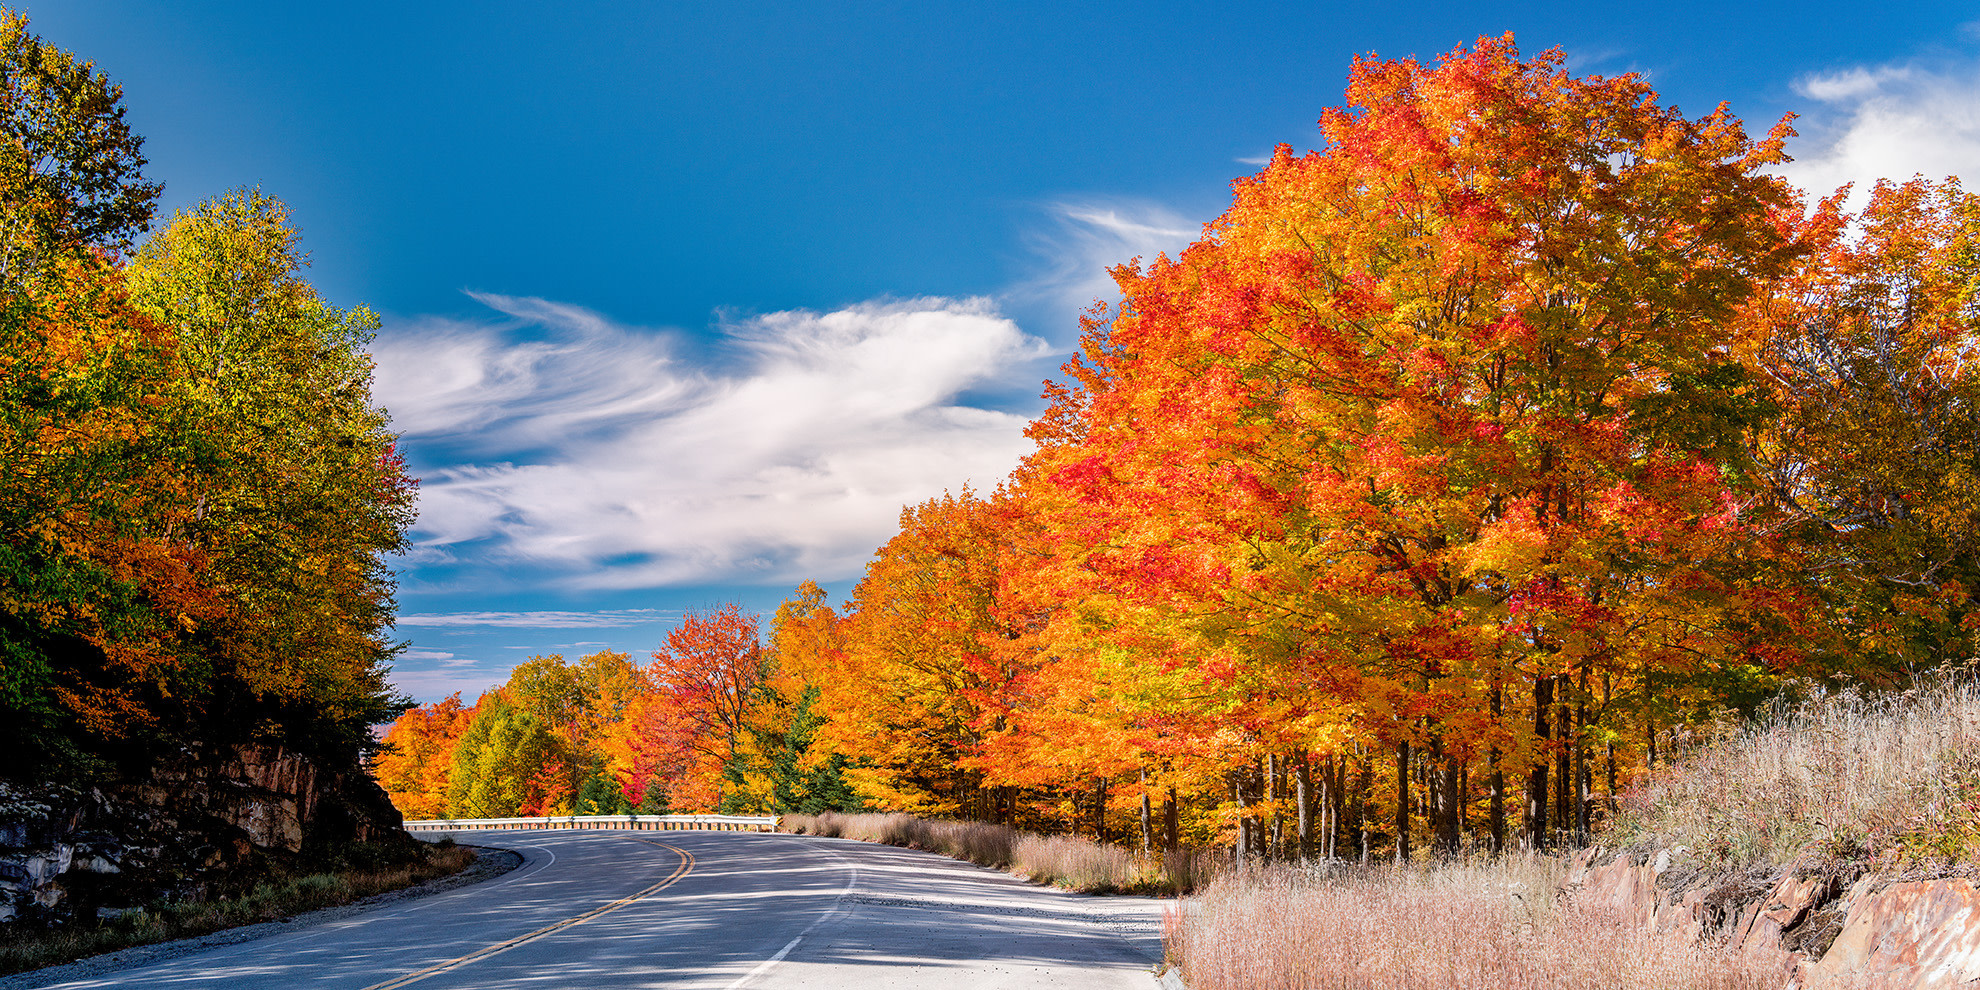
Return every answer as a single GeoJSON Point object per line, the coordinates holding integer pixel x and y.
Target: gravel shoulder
{"type": "Point", "coordinates": [488, 864]}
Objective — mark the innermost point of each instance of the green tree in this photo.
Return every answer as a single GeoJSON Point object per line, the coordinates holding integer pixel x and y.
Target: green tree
{"type": "Point", "coordinates": [654, 801]}
{"type": "Point", "coordinates": [498, 763]}
{"type": "Point", "coordinates": [600, 794]}
{"type": "Point", "coordinates": [298, 493]}
{"type": "Point", "coordinates": [69, 166]}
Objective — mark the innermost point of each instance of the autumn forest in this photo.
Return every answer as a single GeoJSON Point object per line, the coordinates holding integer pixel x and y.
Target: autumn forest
{"type": "Point", "coordinates": [1464, 470]}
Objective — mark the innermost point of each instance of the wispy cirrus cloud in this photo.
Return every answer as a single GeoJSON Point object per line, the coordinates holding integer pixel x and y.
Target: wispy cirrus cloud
{"type": "Point", "coordinates": [1081, 239]}
{"type": "Point", "coordinates": [588, 454]}
{"type": "Point", "coordinates": [1887, 121]}
{"type": "Point", "coordinates": [607, 619]}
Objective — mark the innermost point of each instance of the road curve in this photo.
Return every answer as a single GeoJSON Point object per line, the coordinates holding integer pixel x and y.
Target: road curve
{"type": "Point", "coordinates": [722, 910]}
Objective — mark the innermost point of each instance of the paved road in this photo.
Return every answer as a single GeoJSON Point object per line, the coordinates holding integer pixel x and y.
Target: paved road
{"type": "Point", "coordinates": [701, 909]}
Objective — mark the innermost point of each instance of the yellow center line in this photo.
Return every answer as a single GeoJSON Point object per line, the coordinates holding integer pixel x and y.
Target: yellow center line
{"type": "Point", "coordinates": [687, 864]}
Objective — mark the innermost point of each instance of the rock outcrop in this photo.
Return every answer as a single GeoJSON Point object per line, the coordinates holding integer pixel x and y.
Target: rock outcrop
{"type": "Point", "coordinates": [197, 820]}
{"type": "Point", "coordinates": [1832, 926]}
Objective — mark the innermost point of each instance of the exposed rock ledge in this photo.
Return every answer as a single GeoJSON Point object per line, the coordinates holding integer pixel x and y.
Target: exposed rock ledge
{"type": "Point", "coordinates": [68, 852]}
{"type": "Point", "coordinates": [1838, 927]}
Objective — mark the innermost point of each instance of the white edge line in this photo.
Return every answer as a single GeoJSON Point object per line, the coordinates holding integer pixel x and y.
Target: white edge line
{"type": "Point", "coordinates": [838, 906]}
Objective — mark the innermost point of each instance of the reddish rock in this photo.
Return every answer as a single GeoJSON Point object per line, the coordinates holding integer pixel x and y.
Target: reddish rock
{"type": "Point", "coordinates": [1908, 935]}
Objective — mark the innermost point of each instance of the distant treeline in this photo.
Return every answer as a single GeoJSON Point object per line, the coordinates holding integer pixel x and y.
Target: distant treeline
{"type": "Point", "coordinates": [196, 492]}
{"type": "Point", "coordinates": [713, 722]}
{"type": "Point", "coordinates": [1461, 469]}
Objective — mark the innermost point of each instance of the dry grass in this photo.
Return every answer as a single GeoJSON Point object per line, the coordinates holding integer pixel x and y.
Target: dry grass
{"type": "Point", "coordinates": [1061, 861]}
{"type": "Point", "coordinates": [1079, 864]}
{"type": "Point", "coordinates": [1889, 778]}
{"type": "Point", "coordinates": [1454, 927]}
{"type": "Point", "coordinates": [270, 901]}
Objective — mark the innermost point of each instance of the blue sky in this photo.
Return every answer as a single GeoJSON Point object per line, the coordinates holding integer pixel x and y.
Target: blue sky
{"type": "Point", "coordinates": [682, 302]}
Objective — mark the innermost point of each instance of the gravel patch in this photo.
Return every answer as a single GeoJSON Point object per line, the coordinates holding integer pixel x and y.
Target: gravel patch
{"type": "Point", "coordinates": [488, 864]}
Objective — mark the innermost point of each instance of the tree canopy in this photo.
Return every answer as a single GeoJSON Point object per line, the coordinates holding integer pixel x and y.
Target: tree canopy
{"type": "Point", "coordinates": [197, 493]}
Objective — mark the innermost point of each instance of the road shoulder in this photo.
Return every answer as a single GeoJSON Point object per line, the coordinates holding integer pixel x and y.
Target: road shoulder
{"type": "Point", "coordinates": [489, 863]}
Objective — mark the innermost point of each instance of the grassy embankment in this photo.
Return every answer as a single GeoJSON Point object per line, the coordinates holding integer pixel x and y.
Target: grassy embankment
{"type": "Point", "coordinates": [1847, 782]}
{"type": "Point", "coordinates": [280, 894]}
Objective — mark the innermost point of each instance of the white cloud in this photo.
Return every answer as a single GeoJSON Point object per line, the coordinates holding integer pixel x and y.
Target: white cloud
{"type": "Point", "coordinates": [432, 685]}
{"type": "Point", "coordinates": [1890, 122]}
{"type": "Point", "coordinates": [599, 458]}
{"type": "Point", "coordinates": [432, 656]}
{"type": "Point", "coordinates": [472, 382]}
{"type": "Point", "coordinates": [608, 619]}
{"type": "Point", "coordinates": [1085, 238]}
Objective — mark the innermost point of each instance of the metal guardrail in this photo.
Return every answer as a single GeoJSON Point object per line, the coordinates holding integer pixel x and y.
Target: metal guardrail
{"type": "Point", "coordinates": [642, 823]}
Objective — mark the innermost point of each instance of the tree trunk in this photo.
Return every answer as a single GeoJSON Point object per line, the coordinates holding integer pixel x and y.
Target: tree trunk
{"type": "Point", "coordinates": [1497, 815]}
{"type": "Point", "coordinates": [1261, 844]}
{"type": "Point", "coordinates": [1275, 792]}
{"type": "Point", "coordinates": [1170, 827]}
{"type": "Point", "coordinates": [1582, 775]}
{"type": "Point", "coordinates": [1330, 807]}
{"type": "Point", "coordinates": [1447, 783]}
{"type": "Point", "coordinates": [1609, 754]}
{"type": "Point", "coordinates": [1242, 848]}
{"type": "Point", "coordinates": [1563, 815]}
{"type": "Point", "coordinates": [1536, 776]}
{"type": "Point", "coordinates": [1649, 723]}
{"type": "Point", "coordinates": [1402, 802]}
{"type": "Point", "coordinates": [1337, 809]}
{"type": "Point", "coordinates": [1147, 823]}
{"type": "Point", "coordinates": [1303, 797]}
{"type": "Point", "coordinates": [1358, 810]}
{"type": "Point", "coordinates": [1100, 809]}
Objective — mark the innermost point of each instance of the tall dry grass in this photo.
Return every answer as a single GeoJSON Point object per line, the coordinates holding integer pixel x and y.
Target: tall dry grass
{"type": "Point", "coordinates": [1058, 860]}
{"type": "Point", "coordinates": [1485, 926]}
{"type": "Point", "coordinates": [1891, 777]}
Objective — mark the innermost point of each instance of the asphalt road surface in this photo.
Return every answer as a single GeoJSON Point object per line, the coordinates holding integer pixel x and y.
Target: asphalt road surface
{"type": "Point", "coordinates": [701, 909]}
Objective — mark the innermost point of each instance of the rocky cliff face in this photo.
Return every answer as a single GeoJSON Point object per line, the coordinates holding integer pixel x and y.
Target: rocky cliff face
{"type": "Point", "coordinates": [1837, 928]}
{"type": "Point", "coordinates": [198, 820]}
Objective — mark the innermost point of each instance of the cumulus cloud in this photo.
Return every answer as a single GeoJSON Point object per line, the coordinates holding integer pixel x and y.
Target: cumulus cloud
{"type": "Point", "coordinates": [1891, 122]}
{"type": "Point", "coordinates": [594, 455]}
{"type": "Point", "coordinates": [1082, 239]}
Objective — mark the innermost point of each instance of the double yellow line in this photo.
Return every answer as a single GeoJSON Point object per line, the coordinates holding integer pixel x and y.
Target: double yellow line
{"type": "Point", "coordinates": [687, 865]}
